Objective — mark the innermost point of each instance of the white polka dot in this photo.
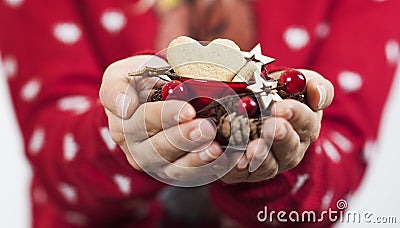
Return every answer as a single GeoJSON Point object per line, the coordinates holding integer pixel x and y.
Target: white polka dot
{"type": "Point", "coordinates": [301, 180]}
{"type": "Point", "coordinates": [76, 218]}
{"type": "Point", "coordinates": [77, 104]}
{"type": "Point", "coordinates": [10, 66]}
{"type": "Point", "coordinates": [30, 90]}
{"type": "Point", "coordinates": [342, 142]}
{"type": "Point", "coordinates": [318, 148]}
{"type": "Point", "coordinates": [68, 192]}
{"type": "Point", "coordinates": [331, 151]}
{"type": "Point", "coordinates": [370, 148]}
{"type": "Point", "coordinates": [37, 141]}
{"type": "Point", "coordinates": [123, 183]}
{"type": "Point", "coordinates": [392, 51]}
{"type": "Point", "coordinates": [113, 21]}
{"type": "Point", "coordinates": [14, 3]}
{"type": "Point", "coordinates": [39, 195]}
{"type": "Point", "coordinates": [327, 199]}
{"type": "Point", "coordinates": [105, 135]}
{"type": "Point", "coordinates": [67, 33]}
{"type": "Point", "coordinates": [322, 30]}
{"type": "Point", "coordinates": [349, 81]}
{"type": "Point", "coordinates": [296, 37]}
{"type": "Point", "coordinates": [70, 147]}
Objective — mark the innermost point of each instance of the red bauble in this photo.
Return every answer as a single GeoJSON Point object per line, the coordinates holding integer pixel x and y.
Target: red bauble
{"type": "Point", "coordinates": [248, 106]}
{"type": "Point", "coordinates": [174, 90]}
{"type": "Point", "coordinates": [292, 81]}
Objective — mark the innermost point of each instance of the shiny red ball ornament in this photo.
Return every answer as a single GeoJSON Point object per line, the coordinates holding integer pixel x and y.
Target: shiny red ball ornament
{"type": "Point", "coordinates": [174, 90]}
{"type": "Point", "coordinates": [248, 106]}
{"type": "Point", "coordinates": [292, 81]}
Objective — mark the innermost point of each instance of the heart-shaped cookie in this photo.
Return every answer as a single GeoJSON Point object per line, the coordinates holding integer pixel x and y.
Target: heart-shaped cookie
{"type": "Point", "coordinates": [220, 60]}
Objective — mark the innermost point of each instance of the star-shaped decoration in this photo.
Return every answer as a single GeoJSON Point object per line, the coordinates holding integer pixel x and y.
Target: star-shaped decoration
{"type": "Point", "coordinates": [261, 87]}
{"type": "Point", "coordinates": [257, 56]}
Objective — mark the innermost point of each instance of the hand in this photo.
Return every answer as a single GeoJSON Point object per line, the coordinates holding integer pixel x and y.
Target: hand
{"type": "Point", "coordinates": [286, 136]}
{"type": "Point", "coordinates": [155, 136]}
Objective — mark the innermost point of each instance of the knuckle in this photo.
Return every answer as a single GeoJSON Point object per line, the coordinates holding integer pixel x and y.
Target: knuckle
{"type": "Point", "coordinates": [117, 136]}
{"type": "Point", "coordinates": [272, 171]}
{"type": "Point", "coordinates": [176, 174]}
{"type": "Point", "coordinates": [230, 180]}
{"type": "Point", "coordinates": [315, 134]}
{"type": "Point", "coordinates": [268, 171]}
{"type": "Point", "coordinates": [156, 146]}
{"type": "Point", "coordinates": [133, 163]}
{"type": "Point", "coordinates": [116, 133]}
{"type": "Point", "coordinates": [295, 162]}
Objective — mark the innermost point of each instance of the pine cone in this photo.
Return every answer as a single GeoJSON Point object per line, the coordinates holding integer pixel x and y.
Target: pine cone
{"type": "Point", "coordinates": [238, 130]}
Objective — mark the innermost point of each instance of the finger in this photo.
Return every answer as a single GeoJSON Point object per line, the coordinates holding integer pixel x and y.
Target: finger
{"type": "Point", "coordinates": [305, 122]}
{"type": "Point", "coordinates": [268, 169]}
{"type": "Point", "coordinates": [236, 175]}
{"type": "Point", "coordinates": [169, 145]}
{"type": "Point", "coordinates": [117, 94]}
{"type": "Point", "coordinates": [153, 117]}
{"type": "Point", "coordinates": [287, 149]}
{"type": "Point", "coordinates": [115, 126]}
{"type": "Point", "coordinates": [194, 164]}
{"type": "Point", "coordinates": [320, 91]}
{"type": "Point", "coordinates": [257, 151]}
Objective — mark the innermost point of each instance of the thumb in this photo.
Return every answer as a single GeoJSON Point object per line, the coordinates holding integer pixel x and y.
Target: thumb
{"type": "Point", "coordinates": [118, 92]}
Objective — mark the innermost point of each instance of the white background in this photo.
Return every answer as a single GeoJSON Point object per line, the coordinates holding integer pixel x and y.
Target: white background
{"type": "Point", "coordinates": [379, 193]}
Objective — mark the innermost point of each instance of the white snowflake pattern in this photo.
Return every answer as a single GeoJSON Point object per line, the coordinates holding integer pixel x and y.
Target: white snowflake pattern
{"type": "Point", "coordinates": [296, 37]}
{"type": "Point", "coordinates": [113, 21]}
{"type": "Point", "coordinates": [30, 90]}
{"type": "Point", "coordinates": [36, 142]}
{"type": "Point", "coordinates": [123, 183]}
{"type": "Point", "coordinates": [67, 33]}
{"type": "Point", "coordinates": [322, 30]}
{"type": "Point", "coordinates": [14, 3]}
{"type": "Point", "coordinates": [341, 141]}
{"type": "Point", "coordinates": [68, 192]}
{"type": "Point", "coordinates": [10, 66]}
{"type": "Point", "coordinates": [350, 81]}
{"type": "Point", "coordinates": [331, 151]}
{"type": "Point", "coordinates": [70, 147]}
{"type": "Point", "coordinates": [392, 52]}
{"type": "Point", "coordinates": [105, 135]}
{"type": "Point", "coordinates": [327, 199]}
{"type": "Point", "coordinates": [301, 180]}
{"type": "Point", "coordinates": [76, 218]}
{"type": "Point", "coordinates": [77, 104]}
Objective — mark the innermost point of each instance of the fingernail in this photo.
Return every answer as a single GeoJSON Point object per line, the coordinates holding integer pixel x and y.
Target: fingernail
{"type": "Point", "coordinates": [122, 102]}
{"type": "Point", "coordinates": [261, 151]}
{"type": "Point", "coordinates": [218, 167]}
{"type": "Point", "coordinates": [210, 153]}
{"type": "Point", "coordinates": [205, 130]}
{"type": "Point", "coordinates": [260, 154]}
{"type": "Point", "coordinates": [186, 113]}
{"type": "Point", "coordinates": [242, 164]}
{"type": "Point", "coordinates": [322, 96]}
{"type": "Point", "coordinates": [280, 133]}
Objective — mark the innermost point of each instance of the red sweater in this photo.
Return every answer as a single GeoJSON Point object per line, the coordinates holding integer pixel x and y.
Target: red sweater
{"type": "Point", "coordinates": [54, 54]}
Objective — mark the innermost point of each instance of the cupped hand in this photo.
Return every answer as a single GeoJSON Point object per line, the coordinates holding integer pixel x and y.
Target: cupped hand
{"type": "Point", "coordinates": [287, 135]}
{"type": "Point", "coordinates": [163, 137]}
